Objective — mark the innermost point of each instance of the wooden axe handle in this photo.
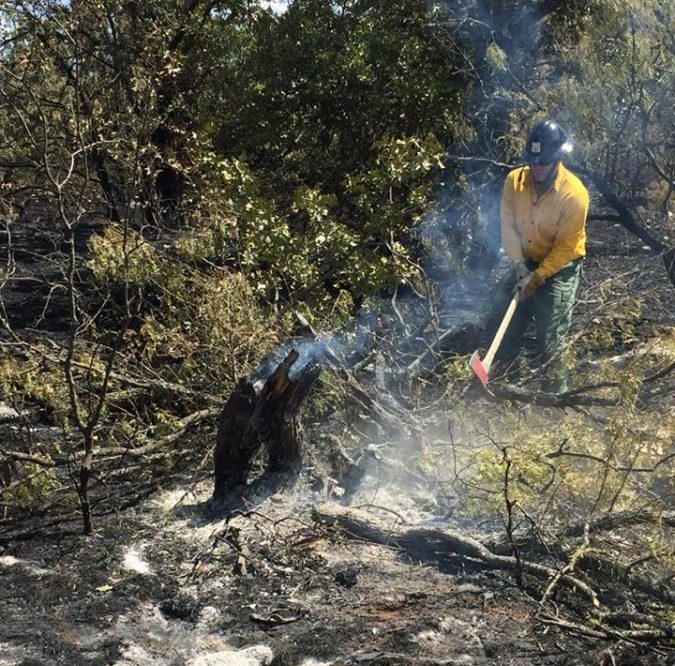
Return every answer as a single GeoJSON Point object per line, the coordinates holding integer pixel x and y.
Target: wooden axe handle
{"type": "Point", "coordinates": [501, 331]}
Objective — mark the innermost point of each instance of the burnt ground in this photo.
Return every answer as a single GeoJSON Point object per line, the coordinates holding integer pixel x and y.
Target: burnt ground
{"type": "Point", "coordinates": [161, 584]}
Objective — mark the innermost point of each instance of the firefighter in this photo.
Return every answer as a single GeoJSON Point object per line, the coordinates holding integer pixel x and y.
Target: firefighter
{"type": "Point", "coordinates": [543, 226]}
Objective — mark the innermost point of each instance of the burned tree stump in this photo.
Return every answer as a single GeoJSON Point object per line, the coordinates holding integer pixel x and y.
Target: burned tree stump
{"type": "Point", "coordinates": [262, 410]}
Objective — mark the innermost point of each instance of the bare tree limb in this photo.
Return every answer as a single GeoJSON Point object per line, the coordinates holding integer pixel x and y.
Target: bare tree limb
{"type": "Point", "coordinates": [620, 519]}
{"type": "Point", "coordinates": [504, 392]}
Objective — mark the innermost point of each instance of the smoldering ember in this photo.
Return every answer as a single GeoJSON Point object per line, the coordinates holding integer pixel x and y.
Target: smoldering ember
{"type": "Point", "coordinates": [337, 333]}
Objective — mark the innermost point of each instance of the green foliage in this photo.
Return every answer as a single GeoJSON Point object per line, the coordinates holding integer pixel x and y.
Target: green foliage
{"type": "Point", "coordinates": [211, 332]}
{"type": "Point", "coordinates": [308, 245]}
{"type": "Point", "coordinates": [581, 468]}
{"type": "Point", "coordinates": [122, 255]}
{"type": "Point", "coordinates": [557, 477]}
{"type": "Point", "coordinates": [33, 485]}
{"type": "Point", "coordinates": [496, 57]}
{"type": "Point", "coordinates": [614, 90]}
{"type": "Point", "coordinates": [34, 379]}
{"type": "Point", "coordinates": [326, 82]}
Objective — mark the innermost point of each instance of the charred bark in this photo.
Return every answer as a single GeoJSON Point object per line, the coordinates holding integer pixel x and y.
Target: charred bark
{"type": "Point", "coordinates": [267, 417]}
{"type": "Point", "coordinates": [436, 544]}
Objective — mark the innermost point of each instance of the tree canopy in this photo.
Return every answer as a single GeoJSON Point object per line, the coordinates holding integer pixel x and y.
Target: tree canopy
{"type": "Point", "coordinates": [193, 178]}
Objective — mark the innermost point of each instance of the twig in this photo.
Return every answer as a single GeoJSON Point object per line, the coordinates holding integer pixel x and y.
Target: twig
{"type": "Point", "coordinates": [549, 399]}
{"type": "Point", "coordinates": [563, 451]}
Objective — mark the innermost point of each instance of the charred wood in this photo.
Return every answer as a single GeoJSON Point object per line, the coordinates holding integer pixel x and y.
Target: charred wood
{"type": "Point", "coordinates": [255, 417]}
{"type": "Point", "coordinates": [436, 544]}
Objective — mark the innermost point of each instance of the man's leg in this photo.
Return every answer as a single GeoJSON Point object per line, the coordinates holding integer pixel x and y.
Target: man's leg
{"type": "Point", "coordinates": [553, 304]}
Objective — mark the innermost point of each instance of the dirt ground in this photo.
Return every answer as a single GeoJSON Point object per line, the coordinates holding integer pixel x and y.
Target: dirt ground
{"type": "Point", "coordinates": [163, 585]}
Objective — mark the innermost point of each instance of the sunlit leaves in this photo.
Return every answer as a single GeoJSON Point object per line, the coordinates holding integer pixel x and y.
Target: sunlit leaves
{"type": "Point", "coordinates": [123, 256]}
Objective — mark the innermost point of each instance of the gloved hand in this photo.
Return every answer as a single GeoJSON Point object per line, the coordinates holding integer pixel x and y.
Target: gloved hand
{"type": "Point", "coordinates": [527, 285]}
{"type": "Point", "coordinates": [520, 270]}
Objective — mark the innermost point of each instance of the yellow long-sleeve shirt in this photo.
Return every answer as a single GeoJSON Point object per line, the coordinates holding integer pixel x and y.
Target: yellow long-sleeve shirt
{"type": "Point", "coordinates": [549, 229]}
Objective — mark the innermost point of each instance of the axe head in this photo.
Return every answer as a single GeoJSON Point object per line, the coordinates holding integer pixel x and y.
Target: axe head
{"type": "Point", "coordinates": [479, 369]}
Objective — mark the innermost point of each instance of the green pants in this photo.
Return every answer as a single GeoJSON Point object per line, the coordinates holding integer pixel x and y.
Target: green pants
{"type": "Point", "coordinates": [551, 309]}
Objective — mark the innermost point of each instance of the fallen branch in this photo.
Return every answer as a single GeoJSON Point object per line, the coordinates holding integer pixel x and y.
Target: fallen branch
{"type": "Point", "coordinates": [36, 460]}
{"type": "Point", "coordinates": [625, 216]}
{"type": "Point", "coordinates": [630, 619]}
{"type": "Point", "coordinates": [620, 519]}
{"type": "Point", "coordinates": [428, 542]}
{"type": "Point", "coordinates": [627, 220]}
{"type": "Point", "coordinates": [155, 383]}
{"type": "Point", "coordinates": [590, 560]}
{"type": "Point", "coordinates": [659, 374]}
{"type": "Point", "coordinates": [551, 399]}
{"type": "Point", "coordinates": [620, 573]}
{"type": "Point", "coordinates": [183, 424]}
{"type": "Point", "coordinates": [601, 631]}
{"type": "Point", "coordinates": [19, 483]}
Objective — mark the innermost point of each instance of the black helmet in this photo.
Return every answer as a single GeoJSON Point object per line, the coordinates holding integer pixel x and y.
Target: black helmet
{"type": "Point", "coordinates": [547, 143]}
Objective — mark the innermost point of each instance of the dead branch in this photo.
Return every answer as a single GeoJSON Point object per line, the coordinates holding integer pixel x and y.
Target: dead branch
{"type": "Point", "coordinates": [561, 400]}
{"type": "Point", "coordinates": [153, 383]}
{"type": "Point", "coordinates": [589, 559]}
{"type": "Point", "coordinates": [620, 573]}
{"type": "Point", "coordinates": [631, 619]}
{"type": "Point", "coordinates": [602, 631]}
{"type": "Point", "coordinates": [626, 218]}
{"type": "Point", "coordinates": [562, 450]}
{"type": "Point", "coordinates": [472, 159]}
{"type": "Point", "coordinates": [19, 483]}
{"type": "Point", "coordinates": [183, 424]}
{"type": "Point", "coordinates": [659, 374]}
{"type": "Point", "coordinates": [25, 457]}
{"type": "Point", "coordinates": [620, 519]}
{"type": "Point", "coordinates": [432, 543]}
{"type": "Point", "coordinates": [658, 167]}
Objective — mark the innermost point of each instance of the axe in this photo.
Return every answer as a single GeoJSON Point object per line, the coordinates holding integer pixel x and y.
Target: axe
{"type": "Point", "coordinates": [482, 368]}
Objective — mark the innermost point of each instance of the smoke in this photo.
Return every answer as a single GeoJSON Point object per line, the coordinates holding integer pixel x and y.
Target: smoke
{"type": "Point", "coordinates": [336, 348]}
{"type": "Point", "coordinates": [461, 245]}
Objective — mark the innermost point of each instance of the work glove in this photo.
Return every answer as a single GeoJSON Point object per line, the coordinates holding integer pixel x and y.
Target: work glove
{"type": "Point", "coordinates": [527, 285]}
{"type": "Point", "coordinates": [520, 270]}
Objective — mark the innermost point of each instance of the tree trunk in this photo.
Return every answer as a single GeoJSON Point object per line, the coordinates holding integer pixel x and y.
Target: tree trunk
{"type": "Point", "coordinates": [268, 416]}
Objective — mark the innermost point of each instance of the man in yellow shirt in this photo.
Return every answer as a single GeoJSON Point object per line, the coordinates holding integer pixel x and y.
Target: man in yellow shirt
{"type": "Point", "coordinates": [543, 223]}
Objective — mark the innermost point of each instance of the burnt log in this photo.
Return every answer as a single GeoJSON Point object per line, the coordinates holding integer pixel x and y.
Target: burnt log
{"type": "Point", "coordinates": [436, 544]}
{"type": "Point", "coordinates": [261, 412]}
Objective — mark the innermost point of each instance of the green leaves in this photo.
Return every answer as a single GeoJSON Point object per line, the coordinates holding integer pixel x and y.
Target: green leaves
{"type": "Point", "coordinates": [122, 255]}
